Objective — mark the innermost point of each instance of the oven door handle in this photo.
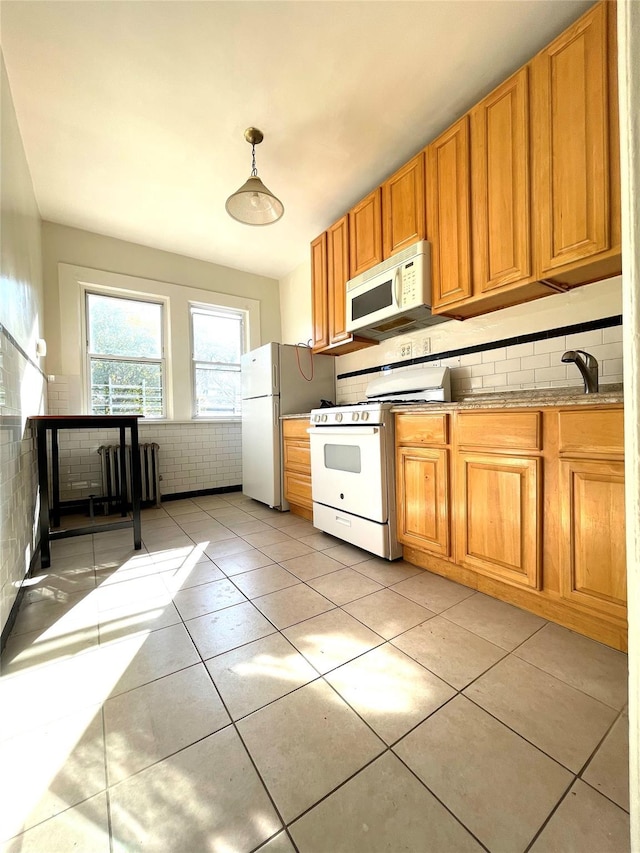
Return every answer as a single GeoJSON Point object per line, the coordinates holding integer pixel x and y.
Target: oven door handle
{"type": "Point", "coordinates": [344, 431]}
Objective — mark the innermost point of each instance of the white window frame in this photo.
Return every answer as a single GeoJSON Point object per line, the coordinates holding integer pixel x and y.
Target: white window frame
{"type": "Point", "coordinates": [210, 309]}
{"type": "Point", "coordinates": [110, 293]}
{"type": "Point", "coordinates": [74, 280]}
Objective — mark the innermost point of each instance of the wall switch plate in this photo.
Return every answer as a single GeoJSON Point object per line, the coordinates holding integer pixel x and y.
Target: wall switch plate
{"type": "Point", "coordinates": [406, 350]}
{"type": "Point", "coordinates": [426, 346]}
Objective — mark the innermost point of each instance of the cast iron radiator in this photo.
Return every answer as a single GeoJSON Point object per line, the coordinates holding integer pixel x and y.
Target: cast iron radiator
{"type": "Point", "coordinates": [111, 485]}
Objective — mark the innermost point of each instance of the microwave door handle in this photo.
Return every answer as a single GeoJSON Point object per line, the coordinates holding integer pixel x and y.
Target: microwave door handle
{"type": "Point", "coordinates": [397, 286]}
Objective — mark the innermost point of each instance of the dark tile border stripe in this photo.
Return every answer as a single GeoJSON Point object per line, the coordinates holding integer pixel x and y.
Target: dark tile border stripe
{"type": "Point", "coordinates": [590, 326]}
{"type": "Point", "coordinates": [7, 334]}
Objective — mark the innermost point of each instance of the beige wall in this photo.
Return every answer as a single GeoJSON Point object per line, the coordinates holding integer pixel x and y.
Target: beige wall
{"type": "Point", "coordinates": [61, 244]}
{"type": "Point", "coordinates": [295, 306]}
{"type": "Point", "coordinates": [22, 389]}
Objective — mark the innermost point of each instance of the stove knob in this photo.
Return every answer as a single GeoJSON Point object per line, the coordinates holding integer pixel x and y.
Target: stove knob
{"type": "Point", "coordinates": [316, 418]}
{"type": "Point", "coordinates": [355, 416]}
{"type": "Point", "coordinates": [338, 416]}
{"type": "Point", "coordinates": [323, 418]}
{"type": "Point", "coordinates": [365, 416]}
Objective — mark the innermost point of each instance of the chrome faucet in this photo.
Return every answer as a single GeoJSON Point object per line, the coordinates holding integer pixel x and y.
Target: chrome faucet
{"type": "Point", "coordinates": [588, 367]}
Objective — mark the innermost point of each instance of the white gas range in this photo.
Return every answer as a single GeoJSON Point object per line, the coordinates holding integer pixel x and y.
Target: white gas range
{"type": "Point", "coordinates": [352, 459]}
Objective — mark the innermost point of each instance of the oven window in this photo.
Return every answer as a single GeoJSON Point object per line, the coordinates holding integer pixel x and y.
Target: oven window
{"type": "Point", "coordinates": [342, 457]}
{"type": "Point", "coordinates": [373, 300]}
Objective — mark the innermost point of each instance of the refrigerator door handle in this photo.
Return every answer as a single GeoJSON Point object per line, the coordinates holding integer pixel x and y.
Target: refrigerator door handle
{"type": "Point", "coordinates": [275, 378]}
{"type": "Point", "coordinates": [276, 414]}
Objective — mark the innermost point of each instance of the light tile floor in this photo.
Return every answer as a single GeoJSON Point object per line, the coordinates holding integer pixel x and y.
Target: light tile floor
{"type": "Point", "coordinates": [246, 682]}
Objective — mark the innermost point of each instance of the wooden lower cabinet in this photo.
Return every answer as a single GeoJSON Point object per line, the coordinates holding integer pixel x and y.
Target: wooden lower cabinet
{"type": "Point", "coordinates": [499, 517]}
{"type": "Point", "coordinates": [593, 554]}
{"type": "Point", "coordinates": [296, 462]}
{"type": "Point", "coordinates": [423, 498]}
{"type": "Point", "coordinates": [537, 522]}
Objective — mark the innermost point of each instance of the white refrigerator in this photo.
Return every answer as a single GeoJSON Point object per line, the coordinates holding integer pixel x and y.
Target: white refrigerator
{"type": "Point", "coordinates": [276, 379]}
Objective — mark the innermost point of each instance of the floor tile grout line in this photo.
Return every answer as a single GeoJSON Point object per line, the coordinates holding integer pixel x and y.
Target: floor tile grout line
{"type": "Point", "coordinates": [246, 749]}
{"type": "Point", "coordinates": [433, 794]}
{"type": "Point", "coordinates": [602, 794]}
{"type": "Point", "coordinates": [458, 692]}
{"type": "Point", "coordinates": [562, 680]}
{"type": "Point", "coordinates": [519, 735]}
{"type": "Point", "coordinates": [546, 822]}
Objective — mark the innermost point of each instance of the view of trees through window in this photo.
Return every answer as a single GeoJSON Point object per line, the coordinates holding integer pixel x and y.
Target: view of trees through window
{"type": "Point", "coordinates": [125, 356]}
{"type": "Point", "coordinates": [217, 337]}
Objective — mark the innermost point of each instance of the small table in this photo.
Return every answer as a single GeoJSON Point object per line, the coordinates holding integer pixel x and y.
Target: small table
{"type": "Point", "coordinates": [53, 423]}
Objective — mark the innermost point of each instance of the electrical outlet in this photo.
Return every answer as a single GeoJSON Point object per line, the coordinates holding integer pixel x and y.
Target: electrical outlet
{"type": "Point", "coordinates": [426, 346]}
{"type": "Point", "coordinates": [406, 350]}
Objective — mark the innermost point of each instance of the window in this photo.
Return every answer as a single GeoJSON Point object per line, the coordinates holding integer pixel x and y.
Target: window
{"type": "Point", "coordinates": [125, 355]}
{"type": "Point", "coordinates": [217, 338]}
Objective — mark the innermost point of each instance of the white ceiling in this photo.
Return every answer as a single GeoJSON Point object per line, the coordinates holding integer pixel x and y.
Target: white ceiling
{"type": "Point", "coordinates": [132, 113]}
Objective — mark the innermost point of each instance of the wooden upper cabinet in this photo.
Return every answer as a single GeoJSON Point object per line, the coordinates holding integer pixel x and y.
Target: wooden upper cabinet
{"type": "Point", "coordinates": [575, 146]}
{"type": "Point", "coordinates": [319, 292]}
{"type": "Point", "coordinates": [365, 234]}
{"type": "Point", "coordinates": [338, 275]}
{"type": "Point", "coordinates": [448, 214]}
{"type": "Point", "coordinates": [329, 275]}
{"type": "Point", "coordinates": [403, 207]}
{"type": "Point", "coordinates": [500, 186]}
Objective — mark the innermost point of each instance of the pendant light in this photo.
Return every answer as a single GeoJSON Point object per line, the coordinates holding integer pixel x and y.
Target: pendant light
{"type": "Point", "coordinates": [253, 203]}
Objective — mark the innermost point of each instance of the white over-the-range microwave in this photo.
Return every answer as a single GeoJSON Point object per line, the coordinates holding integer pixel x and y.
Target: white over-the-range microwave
{"type": "Point", "coordinates": [394, 297]}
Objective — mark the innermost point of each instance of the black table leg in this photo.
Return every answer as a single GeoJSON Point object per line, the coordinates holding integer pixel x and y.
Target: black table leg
{"type": "Point", "coordinates": [123, 473]}
{"type": "Point", "coordinates": [55, 479]}
{"type": "Point", "coordinates": [136, 487]}
{"type": "Point", "coordinates": [43, 484]}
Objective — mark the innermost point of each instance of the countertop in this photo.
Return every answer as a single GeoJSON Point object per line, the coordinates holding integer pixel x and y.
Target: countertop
{"type": "Point", "coordinates": [536, 398]}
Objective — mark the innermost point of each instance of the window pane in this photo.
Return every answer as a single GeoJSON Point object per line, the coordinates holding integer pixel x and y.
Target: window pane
{"type": "Point", "coordinates": [124, 327]}
{"type": "Point", "coordinates": [217, 392]}
{"type": "Point", "coordinates": [126, 388]}
{"type": "Point", "coordinates": [217, 338]}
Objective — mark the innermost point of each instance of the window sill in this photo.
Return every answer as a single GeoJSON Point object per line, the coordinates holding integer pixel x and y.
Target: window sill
{"type": "Point", "coordinates": [167, 421]}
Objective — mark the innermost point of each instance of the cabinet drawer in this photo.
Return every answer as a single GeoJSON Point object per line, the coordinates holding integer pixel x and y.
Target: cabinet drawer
{"type": "Point", "coordinates": [297, 488]}
{"type": "Point", "coordinates": [417, 430]}
{"type": "Point", "coordinates": [500, 430]}
{"type": "Point", "coordinates": [297, 456]}
{"type": "Point", "coordinates": [295, 428]}
{"type": "Point", "coordinates": [592, 432]}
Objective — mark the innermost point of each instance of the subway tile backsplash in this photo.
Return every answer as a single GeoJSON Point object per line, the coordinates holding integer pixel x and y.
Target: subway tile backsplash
{"type": "Point", "coordinates": [478, 372]}
{"type": "Point", "coordinates": [21, 394]}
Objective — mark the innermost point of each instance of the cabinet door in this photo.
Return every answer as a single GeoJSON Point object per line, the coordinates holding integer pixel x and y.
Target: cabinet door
{"type": "Point", "coordinates": [571, 144]}
{"type": "Point", "coordinates": [338, 275]}
{"type": "Point", "coordinates": [593, 558]}
{"type": "Point", "coordinates": [500, 186]}
{"type": "Point", "coordinates": [499, 517]}
{"type": "Point", "coordinates": [319, 292]}
{"type": "Point", "coordinates": [423, 499]}
{"type": "Point", "coordinates": [365, 234]}
{"type": "Point", "coordinates": [448, 214]}
{"type": "Point", "coordinates": [403, 207]}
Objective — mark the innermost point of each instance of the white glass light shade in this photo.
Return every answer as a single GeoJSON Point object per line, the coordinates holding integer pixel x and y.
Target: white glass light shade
{"type": "Point", "coordinates": [254, 204]}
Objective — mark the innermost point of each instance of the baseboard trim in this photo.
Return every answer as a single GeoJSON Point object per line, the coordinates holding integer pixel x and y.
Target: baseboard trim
{"type": "Point", "coordinates": [201, 493]}
{"type": "Point", "coordinates": [13, 613]}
